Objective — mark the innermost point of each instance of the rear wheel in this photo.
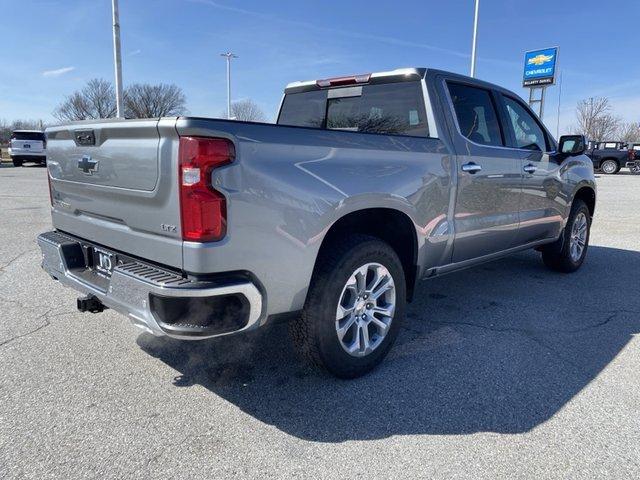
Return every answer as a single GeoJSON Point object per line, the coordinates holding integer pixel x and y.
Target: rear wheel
{"type": "Point", "coordinates": [609, 167]}
{"type": "Point", "coordinates": [17, 162]}
{"type": "Point", "coordinates": [568, 253]}
{"type": "Point", "coordinates": [354, 307]}
{"type": "Point", "coordinates": [635, 168]}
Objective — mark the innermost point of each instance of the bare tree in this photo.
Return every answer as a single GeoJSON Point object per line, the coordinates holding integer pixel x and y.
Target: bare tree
{"type": "Point", "coordinates": [95, 100]}
{"type": "Point", "coordinates": [629, 132]}
{"type": "Point", "coordinates": [142, 100]}
{"type": "Point", "coordinates": [595, 120]}
{"type": "Point", "coordinates": [248, 111]}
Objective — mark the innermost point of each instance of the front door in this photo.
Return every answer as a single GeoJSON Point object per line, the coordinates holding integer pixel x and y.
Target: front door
{"type": "Point", "coordinates": [543, 199]}
{"type": "Point", "coordinates": [486, 217]}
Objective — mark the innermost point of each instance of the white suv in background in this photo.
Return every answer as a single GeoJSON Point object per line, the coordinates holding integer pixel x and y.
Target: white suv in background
{"type": "Point", "coordinates": [27, 146]}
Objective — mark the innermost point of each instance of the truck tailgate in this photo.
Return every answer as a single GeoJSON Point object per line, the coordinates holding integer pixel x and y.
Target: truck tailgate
{"type": "Point", "coordinates": [114, 182]}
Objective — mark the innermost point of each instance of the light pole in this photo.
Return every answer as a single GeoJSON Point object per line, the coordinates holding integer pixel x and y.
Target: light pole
{"type": "Point", "coordinates": [475, 39]}
{"type": "Point", "coordinates": [229, 56]}
{"type": "Point", "coordinates": [117, 58]}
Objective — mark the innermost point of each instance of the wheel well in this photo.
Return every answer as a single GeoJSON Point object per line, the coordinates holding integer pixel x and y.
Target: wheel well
{"type": "Point", "coordinates": [390, 226]}
{"type": "Point", "coordinates": [610, 158]}
{"type": "Point", "coordinates": [588, 196]}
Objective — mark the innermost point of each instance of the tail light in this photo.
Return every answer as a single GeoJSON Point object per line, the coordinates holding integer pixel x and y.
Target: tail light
{"type": "Point", "coordinates": [203, 210]}
{"type": "Point", "coordinates": [632, 155]}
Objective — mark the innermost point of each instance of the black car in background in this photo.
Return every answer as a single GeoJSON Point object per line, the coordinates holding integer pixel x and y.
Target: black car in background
{"type": "Point", "coordinates": [609, 157]}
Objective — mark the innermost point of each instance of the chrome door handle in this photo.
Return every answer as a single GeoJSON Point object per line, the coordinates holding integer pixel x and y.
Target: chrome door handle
{"type": "Point", "coordinates": [530, 168]}
{"type": "Point", "coordinates": [471, 167]}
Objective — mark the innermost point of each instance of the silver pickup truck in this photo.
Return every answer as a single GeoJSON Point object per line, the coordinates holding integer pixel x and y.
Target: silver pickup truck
{"type": "Point", "coordinates": [196, 228]}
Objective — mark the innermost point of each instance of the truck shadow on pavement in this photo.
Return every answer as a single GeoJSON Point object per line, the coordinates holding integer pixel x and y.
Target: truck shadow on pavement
{"type": "Point", "coordinates": [499, 348]}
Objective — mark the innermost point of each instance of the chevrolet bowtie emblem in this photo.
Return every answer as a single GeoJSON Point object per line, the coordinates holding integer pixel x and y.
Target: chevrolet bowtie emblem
{"type": "Point", "coordinates": [88, 165]}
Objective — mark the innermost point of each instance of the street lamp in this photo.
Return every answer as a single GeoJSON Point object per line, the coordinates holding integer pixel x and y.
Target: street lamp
{"type": "Point", "coordinates": [228, 56]}
{"type": "Point", "coordinates": [117, 58]}
{"type": "Point", "coordinates": [475, 39]}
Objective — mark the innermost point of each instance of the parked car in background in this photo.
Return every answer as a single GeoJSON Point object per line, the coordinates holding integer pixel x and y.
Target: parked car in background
{"type": "Point", "coordinates": [634, 158]}
{"type": "Point", "coordinates": [196, 228]}
{"type": "Point", "coordinates": [608, 157]}
{"type": "Point", "coordinates": [27, 146]}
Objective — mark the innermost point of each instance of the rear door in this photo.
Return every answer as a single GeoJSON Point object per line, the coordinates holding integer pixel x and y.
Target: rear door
{"type": "Point", "coordinates": [542, 201]}
{"type": "Point", "coordinates": [489, 177]}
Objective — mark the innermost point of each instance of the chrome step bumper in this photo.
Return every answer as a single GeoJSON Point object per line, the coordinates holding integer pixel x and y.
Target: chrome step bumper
{"type": "Point", "coordinates": [134, 285]}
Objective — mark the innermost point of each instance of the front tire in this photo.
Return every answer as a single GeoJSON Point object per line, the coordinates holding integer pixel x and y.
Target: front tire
{"type": "Point", "coordinates": [17, 162]}
{"type": "Point", "coordinates": [568, 253]}
{"type": "Point", "coordinates": [354, 308]}
{"type": "Point", "coordinates": [609, 167]}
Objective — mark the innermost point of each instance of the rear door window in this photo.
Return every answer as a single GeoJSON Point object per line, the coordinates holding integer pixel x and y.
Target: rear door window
{"type": "Point", "coordinates": [390, 108]}
{"type": "Point", "coordinates": [528, 133]}
{"type": "Point", "coordinates": [476, 114]}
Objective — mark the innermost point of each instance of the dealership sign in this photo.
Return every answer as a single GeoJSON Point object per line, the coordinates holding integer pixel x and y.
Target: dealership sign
{"type": "Point", "coordinates": [540, 67]}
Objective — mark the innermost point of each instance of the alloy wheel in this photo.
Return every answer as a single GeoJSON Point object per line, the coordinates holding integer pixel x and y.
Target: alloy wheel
{"type": "Point", "coordinates": [365, 309]}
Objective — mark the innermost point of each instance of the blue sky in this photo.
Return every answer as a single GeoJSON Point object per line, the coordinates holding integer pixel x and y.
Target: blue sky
{"type": "Point", "coordinates": [62, 44]}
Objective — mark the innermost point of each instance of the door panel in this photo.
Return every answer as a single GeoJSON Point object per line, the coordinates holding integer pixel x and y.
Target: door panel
{"type": "Point", "coordinates": [542, 203]}
{"type": "Point", "coordinates": [486, 215]}
{"type": "Point", "coordinates": [486, 211]}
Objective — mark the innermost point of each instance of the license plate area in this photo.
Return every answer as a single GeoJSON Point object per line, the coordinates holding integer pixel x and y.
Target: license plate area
{"type": "Point", "coordinates": [103, 261]}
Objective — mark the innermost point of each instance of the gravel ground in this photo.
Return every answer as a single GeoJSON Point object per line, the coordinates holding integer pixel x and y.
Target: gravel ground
{"type": "Point", "coordinates": [503, 371]}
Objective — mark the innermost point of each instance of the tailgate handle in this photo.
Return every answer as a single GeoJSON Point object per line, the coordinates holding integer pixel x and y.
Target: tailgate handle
{"type": "Point", "coordinates": [85, 137]}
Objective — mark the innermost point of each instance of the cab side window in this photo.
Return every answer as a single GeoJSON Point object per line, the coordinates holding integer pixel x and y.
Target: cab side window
{"type": "Point", "coordinates": [528, 133]}
{"type": "Point", "coordinates": [476, 114]}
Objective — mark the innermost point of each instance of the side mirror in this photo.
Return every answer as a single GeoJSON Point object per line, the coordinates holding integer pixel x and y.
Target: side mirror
{"type": "Point", "coordinates": [572, 144]}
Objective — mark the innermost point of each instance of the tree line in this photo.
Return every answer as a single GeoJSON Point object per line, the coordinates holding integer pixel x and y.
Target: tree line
{"type": "Point", "coordinates": [596, 120]}
{"type": "Point", "coordinates": [97, 99]}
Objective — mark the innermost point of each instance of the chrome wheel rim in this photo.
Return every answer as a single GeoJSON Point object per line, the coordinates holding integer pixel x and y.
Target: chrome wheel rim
{"type": "Point", "coordinates": [608, 167]}
{"type": "Point", "coordinates": [578, 236]}
{"type": "Point", "coordinates": [365, 309]}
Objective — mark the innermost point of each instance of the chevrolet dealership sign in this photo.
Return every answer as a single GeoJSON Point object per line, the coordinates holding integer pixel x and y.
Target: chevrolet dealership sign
{"type": "Point", "coordinates": [540, 67]}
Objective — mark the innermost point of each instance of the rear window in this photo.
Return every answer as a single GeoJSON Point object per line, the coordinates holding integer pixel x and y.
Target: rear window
{"type": "Point", "coordinates": [33, 136]}
{"type": "Point", "coordinates": [390, 108]}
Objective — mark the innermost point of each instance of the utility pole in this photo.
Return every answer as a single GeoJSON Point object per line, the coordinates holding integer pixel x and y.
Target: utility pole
{"type": "Point", "coordinates": [475, 39]}
{"type": "Point", "coordinates": [559, 103]}
{"type": "Point", "coordinates": [229, 56]}
{"type": "Point", "coordinates": [117, 58]}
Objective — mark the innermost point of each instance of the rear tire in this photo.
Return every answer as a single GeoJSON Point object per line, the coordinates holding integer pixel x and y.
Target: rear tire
{"type": "Point", "coordinates": [568, 253]}
{"type": "Point", "coordinates": [609, 167]}
{"type": "Point", "coordinates": [17, 162]}
{"type": "Point", "coordinates": [354, 309]}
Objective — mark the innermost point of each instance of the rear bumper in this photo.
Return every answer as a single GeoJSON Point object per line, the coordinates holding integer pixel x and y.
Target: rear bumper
{"type": "Point", "coordinates": [157, 300]}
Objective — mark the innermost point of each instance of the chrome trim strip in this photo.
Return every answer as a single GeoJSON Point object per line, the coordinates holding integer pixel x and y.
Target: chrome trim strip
{"type": "Point", "coordinates": [432, 128]}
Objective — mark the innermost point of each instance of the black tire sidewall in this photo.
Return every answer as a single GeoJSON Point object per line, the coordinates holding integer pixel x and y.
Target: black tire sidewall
{"type": "Point", "coordinates": [332, 355]}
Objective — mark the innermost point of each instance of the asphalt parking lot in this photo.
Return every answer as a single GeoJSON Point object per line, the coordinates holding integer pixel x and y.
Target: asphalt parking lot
{"type": "Point", "coordinates": [507, 370]}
